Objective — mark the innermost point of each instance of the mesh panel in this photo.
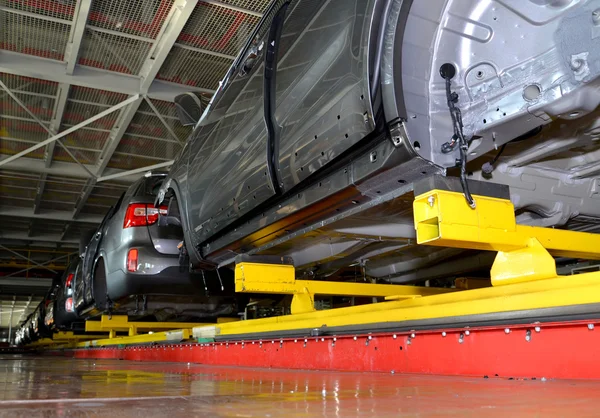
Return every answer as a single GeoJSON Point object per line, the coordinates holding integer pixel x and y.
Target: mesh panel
{"type": "Point", "coordinates": [78, 112]}
{"type": "Point", "coordinates": [19, 129]}
{"type": "Point", "coordinates": [9, 147]}
{"type": "Point", "coordinates": [59, 195]}
{"type": "Point", "coordinates": [109, 190]}
{"type": "Point", "coordinates": [128, 162]}
{"type": "Point", "coordinates": [136, 17]}
{"type": "Point", "coordinates": [83, 156]}
{"type": "Point", "coordinates": [147, 124]}
{"type": "Point", "coordinates": [33, 36]}
{"type": "Point", "coordinates": [23, 192]}
{"type": "Point", "coordinates": [113, 53]}
{"type": "Point", "coordinates": [42, 107]}
{"type": "Point", "coordinates": [86, 139]}
{"type": "Point", "coordinates": [194, 68]}
{"type": "Point", "coordinates": [56, 205]}
{"type": "Point", "coordinates": [94, 210]}
{"type": "Point", "coordinates": [217, 29]}
{"type": "Point", "coordinates": [86, 94]}
{"type": "Point", "coordinates": [11, 201]}
{"type": "Point", "coordinates": [62, 9]}
{"type": "Point", "coordinates": [144, 147]}
{"type": "Point", "coordinates": [167, 111]}
{"type": "Point", "coordinates": [254, 5]}
{"type": "Point", "coordinates": [65, 184]}
{"type": "Point", "coordinates": [32, 85]}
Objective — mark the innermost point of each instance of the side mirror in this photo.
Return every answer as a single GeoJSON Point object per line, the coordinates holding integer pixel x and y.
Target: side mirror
{"type": "Point", "coordinates": [189, 108]}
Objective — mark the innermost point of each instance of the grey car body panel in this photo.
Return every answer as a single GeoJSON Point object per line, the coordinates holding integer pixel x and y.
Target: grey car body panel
{"type": "Point", "coordinates": [332, 182]}
{"type": "Point", "coordinates": [157, 250]}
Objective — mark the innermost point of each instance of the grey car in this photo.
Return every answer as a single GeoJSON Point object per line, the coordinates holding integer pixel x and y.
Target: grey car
{"type": "Point", "coordinates": [60, 312]}
{"type": "Point", "coordinates": [333, 110]}
{"type": "Point", "coordinates": [131, 265]}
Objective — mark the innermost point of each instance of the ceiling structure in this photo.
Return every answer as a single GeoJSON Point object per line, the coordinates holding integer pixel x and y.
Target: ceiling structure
{"type": "Point", "coordinates": [86, 105]}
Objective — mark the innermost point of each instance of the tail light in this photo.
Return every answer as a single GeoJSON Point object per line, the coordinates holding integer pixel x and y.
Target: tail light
{"type": "Point", "coordinates": [132, 259]}
{"type": "Point", "coordinates": [69, 305]}
{"type": "Point", "coordinates": [69, 280]}
{"type": "Point", "coordinates": [141, 214]}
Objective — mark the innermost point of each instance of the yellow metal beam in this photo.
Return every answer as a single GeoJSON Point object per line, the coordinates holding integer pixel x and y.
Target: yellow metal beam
{"type": "Point", "coordinates": [120, 323]}
{"type": "Point", "coordinates": [281, 279]}
{"type": "Point", "coordinates": [557, 292]}
{"type": "Point", "coordinates": [174, 336]}
{"type": "Point", "coordinates": [443, 218]}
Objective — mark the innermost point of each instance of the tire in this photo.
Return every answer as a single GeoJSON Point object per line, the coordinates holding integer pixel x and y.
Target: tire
{"type": "Point", "coordinates": [99, 288]}
{"type": "Point", "coordinates": [84, 239]}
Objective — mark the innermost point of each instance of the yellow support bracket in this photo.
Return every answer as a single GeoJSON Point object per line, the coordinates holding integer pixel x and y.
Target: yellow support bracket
{"type": "Point", "coordinates": [173, 336]}
{"type": "Point", "coordinates": [281, 279]}
{"type": "Point", "coordinates": [443, 218]}
{"type": "Point", "coordinates": [120, 323]}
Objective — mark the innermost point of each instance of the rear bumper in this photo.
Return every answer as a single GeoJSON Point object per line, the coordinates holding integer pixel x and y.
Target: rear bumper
{"type": "Point", "coordinates": [174, 280]}
{"type": "Point", "coordinates": [62, 318]}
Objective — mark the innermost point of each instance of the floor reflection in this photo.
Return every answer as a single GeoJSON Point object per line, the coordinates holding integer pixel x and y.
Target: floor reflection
{"type": "Point", "coordinates": [50, 386]}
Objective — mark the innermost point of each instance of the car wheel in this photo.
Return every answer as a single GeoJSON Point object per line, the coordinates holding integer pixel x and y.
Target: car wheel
{"type": "Point", "coordinates": [99, 286]}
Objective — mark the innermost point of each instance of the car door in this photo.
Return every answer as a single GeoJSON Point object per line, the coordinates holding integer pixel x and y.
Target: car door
{"type": "Point", "coordinates": [229, 174]}
{"type": "Point", "coordinates": [322, 105]}
{"type": "Point", "coordinates": [84, 288]}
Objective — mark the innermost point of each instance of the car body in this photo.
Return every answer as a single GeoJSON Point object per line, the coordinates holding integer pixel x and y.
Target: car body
{"type": "Point", "coordinates": [132, 265]}
{"type": "Point", "coordinates": [312, 143]}
{"type": "Point", "coordinates": [60, 312]}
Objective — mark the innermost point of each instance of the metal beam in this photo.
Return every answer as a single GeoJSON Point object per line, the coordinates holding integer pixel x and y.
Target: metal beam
{"type": "Point", "coordinates": [45, 69]}
{"type": "Point", "coordinates": [170, 31]}
{"type": "Point", "coordinates": [76, 35]}
{"type": "Point", "coordinates": [59, 168]}
{"type": "Point", "coordinates": [136, 171]}
{"type": "Point", "coordinates": [57, 115]}
{"type": "Point", "coordinates": [47, 215]}
{"type": "Point", "coordinates": [231, 7]}
{"type": "Point", "coordinates": [22, 236]}
{"type": "Point", "coordinates": [25, 282]}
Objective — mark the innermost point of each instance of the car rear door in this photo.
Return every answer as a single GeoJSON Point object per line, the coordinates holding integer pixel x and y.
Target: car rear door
{"type": "Point", "coordinates": [229, 174]}
{"type": "Point", "coordinates": [90, 257]}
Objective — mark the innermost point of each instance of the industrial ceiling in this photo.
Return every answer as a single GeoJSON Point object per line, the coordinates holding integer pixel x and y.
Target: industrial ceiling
{"type": "Point", "coordinates": [101, 76]}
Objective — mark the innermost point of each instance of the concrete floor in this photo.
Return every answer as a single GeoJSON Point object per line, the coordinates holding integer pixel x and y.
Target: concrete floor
{"type": "Point", "coordinates": [53, 386]}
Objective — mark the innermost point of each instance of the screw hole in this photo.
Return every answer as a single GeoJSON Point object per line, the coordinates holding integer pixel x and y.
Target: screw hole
{"type": "Point", "coordinates": [296, 154]}
{"type": "Point", "coordinates": [479, 74]}
{"type": "Point", "coordinates": [322, 154]}
{"type": "Point", "coordinates": [355, 202]}
{"type": "Point", "coordinates": [346, 135]}
{"type": "Point", "coordinates": [417, 145]}
{"type": "Point", "coordinates": [401, 181]}
{"type": "Point", "coordinates": [495, 18]}
{"type": "Point", "coordinates": [423, 172]}
{"type": "Point", "coordinates": [362, 97]}
{"type": "Point", "coordinates": [504, 114]}
{"type": "Point", "coordinates": [301, 168]}
{"type": "Point", "coordinates": [484, 121]}
{"type": "Point", "coordinates": [378, 192]}
{"type": "Point", "coordinates": [338, 116]}
{"type": "Point", "coordinates": [316, 137]}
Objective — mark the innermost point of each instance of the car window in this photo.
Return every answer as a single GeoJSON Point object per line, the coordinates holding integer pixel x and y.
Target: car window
{"type": "Point", "coordinates": [151, 186]}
